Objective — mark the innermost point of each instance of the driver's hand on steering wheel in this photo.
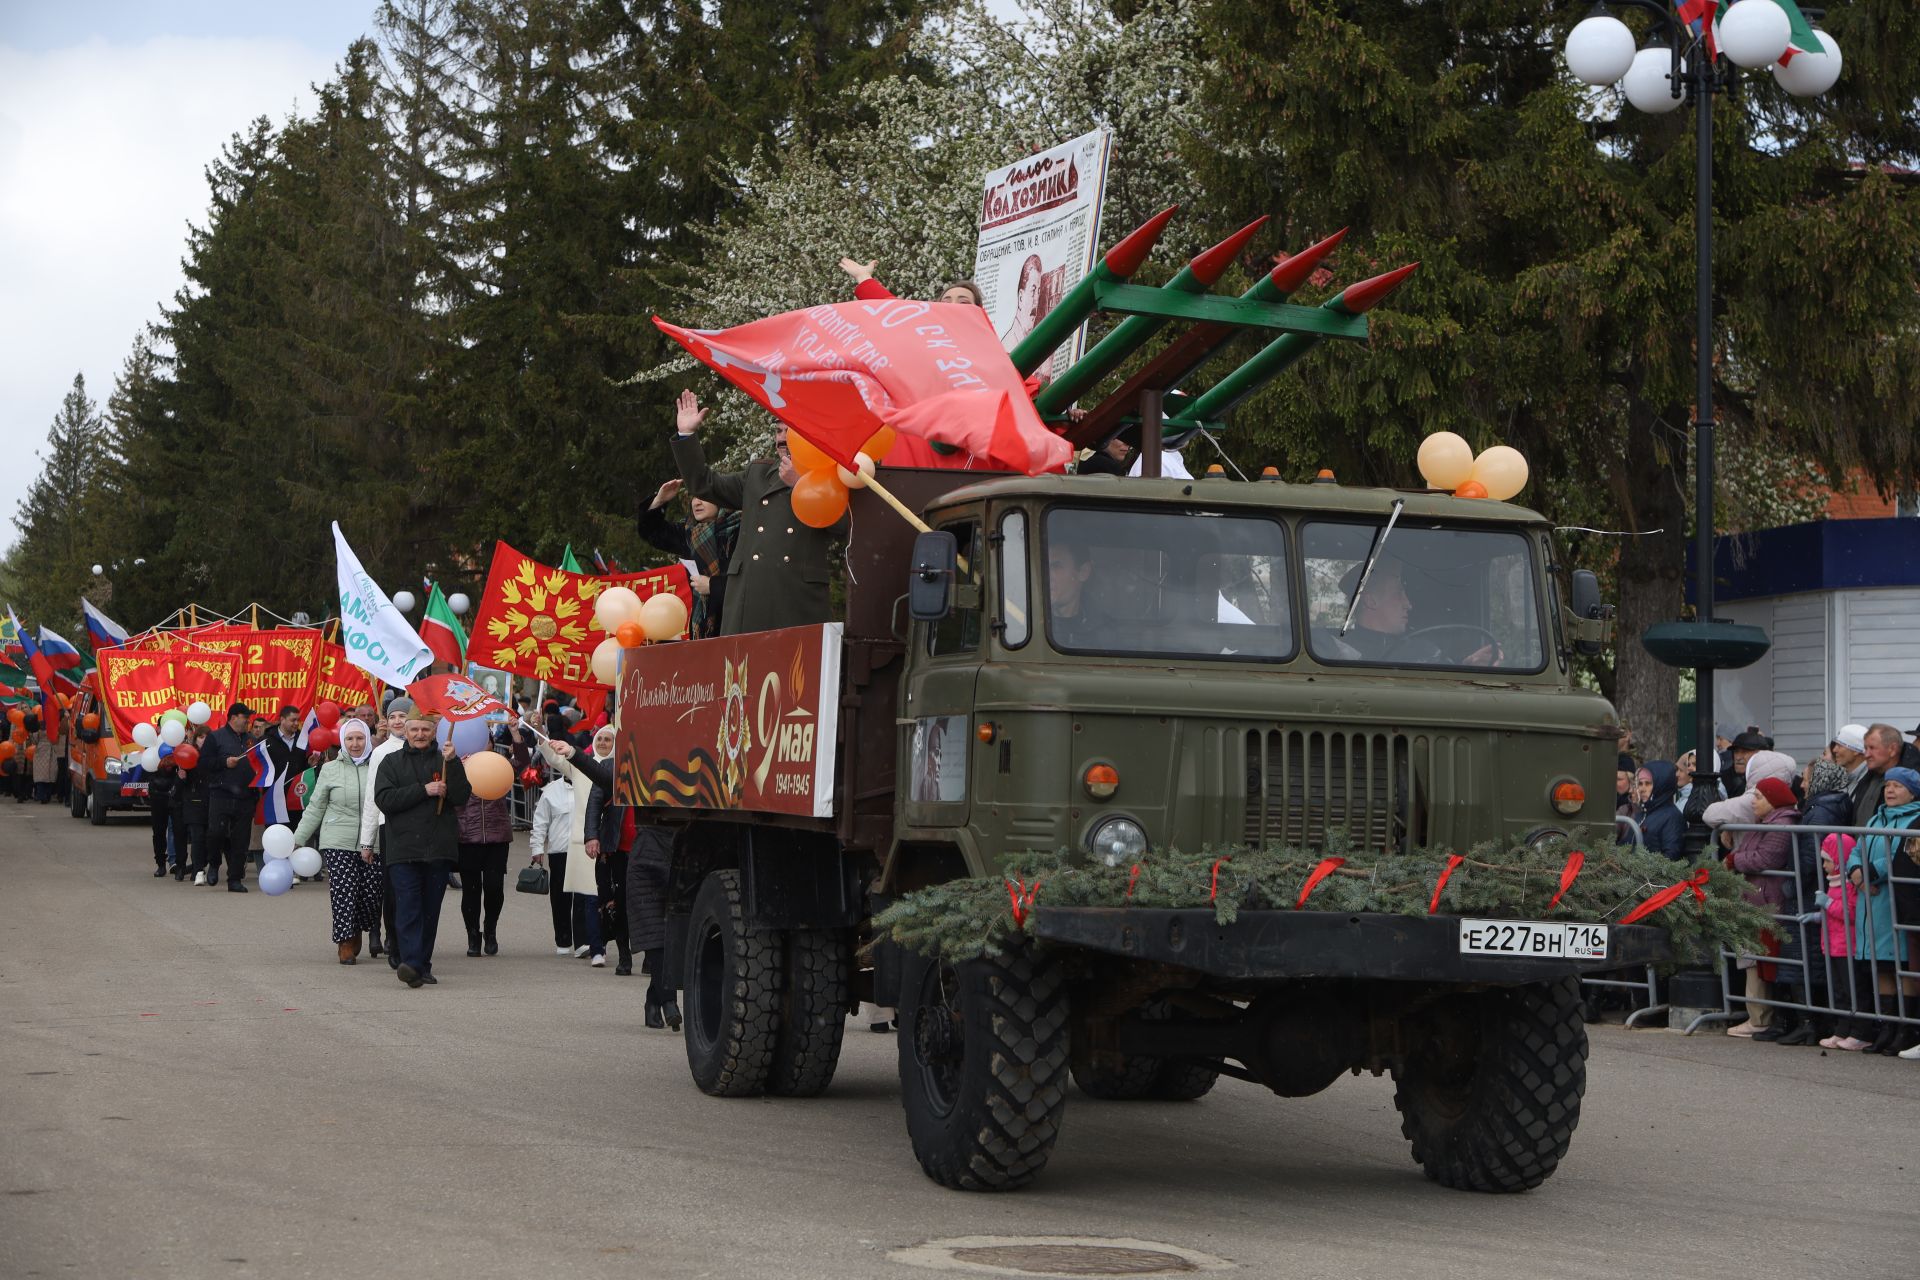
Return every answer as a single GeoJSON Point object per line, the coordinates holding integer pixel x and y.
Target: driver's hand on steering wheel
{"type": "Point", "coordinates": [1487, 655]}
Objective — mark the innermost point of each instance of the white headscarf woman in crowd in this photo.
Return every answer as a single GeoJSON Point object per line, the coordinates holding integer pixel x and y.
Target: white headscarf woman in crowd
{"type": "Point", "coordinates": [342, 792]}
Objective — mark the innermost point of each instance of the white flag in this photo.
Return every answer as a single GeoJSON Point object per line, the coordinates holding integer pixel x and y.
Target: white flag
{"type": "Point", "coordinates": [377, 637]}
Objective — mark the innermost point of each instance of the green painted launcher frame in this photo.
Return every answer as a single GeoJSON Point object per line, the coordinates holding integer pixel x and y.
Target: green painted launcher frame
{"type": "Point", "coordinates": [1208, 323]}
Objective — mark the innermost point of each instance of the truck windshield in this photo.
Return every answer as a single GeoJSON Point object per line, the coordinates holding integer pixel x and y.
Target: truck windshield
{"type": "Point", "coordinates": [1437, 597]}
{"type": "Point", "coordinates": [1170, 583]}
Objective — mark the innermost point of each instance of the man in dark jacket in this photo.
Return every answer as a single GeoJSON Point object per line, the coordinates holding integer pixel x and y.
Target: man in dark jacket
{"type": "Point", "coordinates": [160, 801]}
{"type": "Point", "coordinates": [779, 573]}
{"type": "Point", "coordinates": [420, 790]}
{"type": "Point", "coordinates": [1661, 821]}
{"type": "Point", "coordinates": [642, 874]}
{"type": "Point", "coordinates": [230, 797]}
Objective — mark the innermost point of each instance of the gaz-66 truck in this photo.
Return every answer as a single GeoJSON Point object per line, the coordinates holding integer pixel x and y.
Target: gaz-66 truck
{"type": "Point", "coordinates": [1131, 676]}
{"type": "Point", "coordinates": [1117, 668]}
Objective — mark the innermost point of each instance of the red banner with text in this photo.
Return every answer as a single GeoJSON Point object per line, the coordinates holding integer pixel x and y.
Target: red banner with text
{"type": "Point", "coordinates": [738, 722]}
{"type": "Point", "coordinates": [338, 681]}
{"type": "Point", "coordinates": [277, 667]}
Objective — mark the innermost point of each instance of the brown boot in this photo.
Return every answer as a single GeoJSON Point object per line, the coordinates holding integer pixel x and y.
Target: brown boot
{"type": "Point", "coordinates": [354, 942]}
{"type": "Point", "coordinates": [347, 951]}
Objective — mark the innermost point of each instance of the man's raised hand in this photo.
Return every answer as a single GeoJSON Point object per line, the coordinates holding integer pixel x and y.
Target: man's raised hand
{"type": "Point", "coordinates": [687, 413]}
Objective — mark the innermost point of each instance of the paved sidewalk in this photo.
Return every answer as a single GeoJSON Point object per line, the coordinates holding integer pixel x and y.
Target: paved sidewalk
{"type": "Point", "coordinates": [193, 1087]}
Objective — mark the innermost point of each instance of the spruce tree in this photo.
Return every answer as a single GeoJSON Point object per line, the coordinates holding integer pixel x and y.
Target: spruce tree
{"type": "Point", "coordinates": [58, 518]}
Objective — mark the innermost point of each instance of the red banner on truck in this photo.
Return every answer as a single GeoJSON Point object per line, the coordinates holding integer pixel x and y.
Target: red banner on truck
{"type": "Point", "coordinates": [738, 722]}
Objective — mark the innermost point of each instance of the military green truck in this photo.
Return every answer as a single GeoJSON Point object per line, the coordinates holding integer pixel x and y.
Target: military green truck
{"type": "Point", "coordinates": [1117, 666]}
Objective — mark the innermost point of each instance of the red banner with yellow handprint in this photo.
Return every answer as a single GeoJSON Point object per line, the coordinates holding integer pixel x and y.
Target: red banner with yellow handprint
{"type": "Point", "coordinates": [536, 620]}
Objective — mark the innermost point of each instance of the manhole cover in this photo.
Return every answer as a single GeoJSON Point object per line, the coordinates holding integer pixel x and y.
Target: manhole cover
{"type": "Point", "coordinates": [1058, 1256]}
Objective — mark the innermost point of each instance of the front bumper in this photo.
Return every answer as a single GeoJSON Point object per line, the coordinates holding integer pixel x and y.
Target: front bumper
{"type": "Point", "coordinates": [1284, 945]}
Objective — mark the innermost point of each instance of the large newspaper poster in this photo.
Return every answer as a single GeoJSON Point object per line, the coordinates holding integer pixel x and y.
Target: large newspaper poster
{"type": "Point", "coordinates": [1040, 236]}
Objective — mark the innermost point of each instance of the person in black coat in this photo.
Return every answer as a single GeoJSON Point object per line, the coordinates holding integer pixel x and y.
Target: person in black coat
{"type": "Point", "coordinates": [230, 797]}
{"type": "Point", "coordinates": [1661, 821]}
{"type": "Point", "coordinates": [644, 878]}
{"type": "Point", "coordinates": [708, 540]}
{"type": "Point", "coordinates": [160, 801]}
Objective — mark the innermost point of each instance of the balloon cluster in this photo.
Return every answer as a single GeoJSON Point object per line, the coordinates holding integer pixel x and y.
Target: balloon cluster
{"type": "Point", "coordinates": [629, 623]}
{"type": "Point", "coordinates": [283, 861]}
{"type": "Point", "coordinates": [1448, 462]}
{"type": "Point", "coordinates": [820, 494]}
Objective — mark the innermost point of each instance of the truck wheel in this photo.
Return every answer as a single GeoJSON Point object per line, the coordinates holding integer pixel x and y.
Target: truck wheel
{"type": "Point", "coordinates": [733, 993]}
{"type": "Point", "coordinates": [983, 1067]}
{"type": "Point", "coordinates": [813, 1011]}
{"type": "Point", "coordinates": [77, 801]}
{"type": "Point", "coordinates": [1183, 1082]}
{"type": "Point", "coordinates": [1491, 1096]}
{"type": "Point", "coordinates": [96, 807]}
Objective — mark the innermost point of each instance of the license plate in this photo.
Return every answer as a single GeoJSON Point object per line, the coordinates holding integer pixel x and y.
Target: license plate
{"type": "Point", "coordinates": [1533, 940]}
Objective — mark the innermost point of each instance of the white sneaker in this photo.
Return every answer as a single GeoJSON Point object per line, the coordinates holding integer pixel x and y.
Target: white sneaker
{"type": "Point", "coordinates": [581, 950]}
{"type": "Point", "coordinates": [598, 962]}
{"type": "Point", "coordinates": [564, 951]}
{"type": "Point", "coordinates": [199, 877]}
{"type": "Point", "coordinates": [1911, 1055]}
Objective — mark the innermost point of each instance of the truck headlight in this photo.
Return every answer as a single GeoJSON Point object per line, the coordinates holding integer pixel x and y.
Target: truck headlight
{"type": "Point", "coordinates": [1117, 840]}
{"type": "Point", "coordinates": [1568, 797]}
{"type": "Point", "coordinates": [112, 766]}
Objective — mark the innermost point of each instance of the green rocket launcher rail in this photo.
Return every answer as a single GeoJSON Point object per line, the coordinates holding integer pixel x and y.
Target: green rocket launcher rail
{"type": "Point", "coordinates": [1208, 323]}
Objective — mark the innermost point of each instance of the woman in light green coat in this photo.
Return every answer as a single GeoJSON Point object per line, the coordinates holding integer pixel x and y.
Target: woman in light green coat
{"type": "Point", "coordinates": [341, 793]}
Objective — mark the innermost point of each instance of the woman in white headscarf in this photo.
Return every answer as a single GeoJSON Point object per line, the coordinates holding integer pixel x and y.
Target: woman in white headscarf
{"type": "Point", "coordinates": [341, 793]}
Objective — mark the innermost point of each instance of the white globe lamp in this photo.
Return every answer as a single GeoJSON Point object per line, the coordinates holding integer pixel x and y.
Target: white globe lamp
{"type": "Point", "coordinates": [1646, 83]}
{"type": "Point", "coordinates": [1808, 75]}
{"type": "Point", "coordinates": [1754, 33]}
{"type": "Point", "coordinates": [459, 603]}
{"type": "Point", "coordinates": [403, 601]}
{"type": "Point", "coordinates": [1599, 50]}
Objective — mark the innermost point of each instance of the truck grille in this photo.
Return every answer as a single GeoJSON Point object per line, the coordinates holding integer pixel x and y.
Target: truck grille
{"type": "Point", "coordinates": [1390, 792]}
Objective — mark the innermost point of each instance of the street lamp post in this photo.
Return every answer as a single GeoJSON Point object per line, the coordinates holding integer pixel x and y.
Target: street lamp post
{"type": "Point", "coordinates": [1700, 62]}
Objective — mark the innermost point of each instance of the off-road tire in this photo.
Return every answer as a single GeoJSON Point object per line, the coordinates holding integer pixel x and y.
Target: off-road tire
{"type": "Point", "coordinates": [732, 994]}
{"type": "Point", "coordinates": [1183, 1082]}
{"type": "Point", "coordinates": [983, 1067]}
{"type": "Point", "coordinates": [813, 1011]}
{"type": "Point", "coordinates": [1491, 1098]}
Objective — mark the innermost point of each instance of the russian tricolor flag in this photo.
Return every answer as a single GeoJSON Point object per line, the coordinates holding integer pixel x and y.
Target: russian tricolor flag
{"type": "Point", "coordinates": [59, 651]}
{"type": "Point", "coordinates": [104, 631]}
{"type": "Point", "coordinates": [262, 765]}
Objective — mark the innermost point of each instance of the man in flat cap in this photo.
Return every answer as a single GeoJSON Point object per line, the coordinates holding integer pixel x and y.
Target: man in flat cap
{"type": "Point", "coordinates": [420, 789]}
{"type": "Point", "coordinates": [230, 797]}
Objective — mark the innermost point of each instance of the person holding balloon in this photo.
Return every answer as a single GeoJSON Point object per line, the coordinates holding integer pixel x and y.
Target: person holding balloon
{"type": "Point", "coordinates": [780, 571]}
{"type": "Point", "coordinates": [341, 792]}
{"type": "Point", "coordinates": [707, 539]}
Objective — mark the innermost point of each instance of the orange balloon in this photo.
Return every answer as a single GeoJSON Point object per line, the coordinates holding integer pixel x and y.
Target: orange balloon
{"type": "Point", "coordinates": [90, 721]}
{"type": "Point", "coordinates": [877, 444]}
{"type": "Point", "coordinates": [630, 635]}
{"type": "Point", "coordinates": [819, 499]}
{"type": "Point", "coordinates": [6, 750]}
{"type": "Point", "coordinates": [1471, 489]}
{"type": "Point", "coordinates": [16, 715]}
{"type": "Point", "coordinates": [19, 735]}
{"type": "Point", "coordinates": [806, 455]}
{"type": "Point", "coordinates": [29, 753]}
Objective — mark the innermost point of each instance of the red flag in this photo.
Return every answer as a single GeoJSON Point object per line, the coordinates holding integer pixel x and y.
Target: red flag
{"type": "Point", "coordinates": [838, 373]}
{"type": "Point", "coordinates": [455, 697]}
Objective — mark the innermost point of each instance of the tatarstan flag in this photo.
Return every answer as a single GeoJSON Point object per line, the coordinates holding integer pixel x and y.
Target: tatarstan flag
{"type": "Point", "coordinates": [441, 629]}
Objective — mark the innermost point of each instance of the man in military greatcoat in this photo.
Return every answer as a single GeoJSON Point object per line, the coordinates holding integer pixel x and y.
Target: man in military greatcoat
{"type": "Point", "coordinates": [780, 570]}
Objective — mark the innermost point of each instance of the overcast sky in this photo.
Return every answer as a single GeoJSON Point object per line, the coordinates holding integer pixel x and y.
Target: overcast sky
{"type": "Point", "coordinates": [109, 112]}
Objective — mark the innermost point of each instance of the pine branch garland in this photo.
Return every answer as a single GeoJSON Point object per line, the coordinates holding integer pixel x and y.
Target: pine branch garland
{"type": "Point", "coordinates": [962, 919]}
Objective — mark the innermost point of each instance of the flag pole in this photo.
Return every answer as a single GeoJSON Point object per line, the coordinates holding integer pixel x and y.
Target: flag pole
{"type": "Point", "coordinates": [907, 514]}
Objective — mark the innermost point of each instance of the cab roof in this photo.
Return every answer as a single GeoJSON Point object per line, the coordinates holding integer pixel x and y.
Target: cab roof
{"type": "Point", "coordinates": [1267, 495]}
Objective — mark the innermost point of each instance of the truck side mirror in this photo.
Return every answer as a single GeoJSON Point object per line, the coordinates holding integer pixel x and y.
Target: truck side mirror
{"type": "Point", "coordinates": [930, 582]}
{"type": "Point", "coordinates": [1592, 622]}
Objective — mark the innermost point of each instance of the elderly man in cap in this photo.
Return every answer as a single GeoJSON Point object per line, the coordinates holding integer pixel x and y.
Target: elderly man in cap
{"type": "Point", "coordinates": [373, 824]}
{"type": "Point", "coordinates": [230, 798]}
{"type": "Point", "coordinates": [420, 789]}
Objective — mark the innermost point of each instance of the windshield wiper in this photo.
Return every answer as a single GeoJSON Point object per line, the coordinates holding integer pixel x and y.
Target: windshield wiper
{"type": "Point", "coordinates": [1372, 555]}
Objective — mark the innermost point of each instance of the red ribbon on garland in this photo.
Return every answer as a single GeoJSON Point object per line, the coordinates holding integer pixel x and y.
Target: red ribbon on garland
{"type": "Point", "coordinates": [1568, 874]}
{"type": "Point", "coordinates": [1452, 862]}
{"type": "Point", "coordinates": [1213, 894]}
{"type": "Point", "coordinates": [1669, 894]}
{"type": "Point", "coordinates": [1132, 880]}
{"type": "Point", "coordinates": [1326, 868]}
{"type": "Point", "coordinates": [1022, 898]}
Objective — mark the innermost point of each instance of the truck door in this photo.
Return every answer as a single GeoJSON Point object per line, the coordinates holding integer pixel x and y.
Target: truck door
{"type": "Point", "coordinates": [936, 717]}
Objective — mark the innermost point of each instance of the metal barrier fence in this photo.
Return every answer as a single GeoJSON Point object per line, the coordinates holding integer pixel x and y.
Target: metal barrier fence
{"type": "Point", "coordinates": [1824, 955]}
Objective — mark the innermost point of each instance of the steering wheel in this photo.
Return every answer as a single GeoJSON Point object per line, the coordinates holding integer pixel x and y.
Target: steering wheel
{"type": "Point", "coordinates": [1411, 636]}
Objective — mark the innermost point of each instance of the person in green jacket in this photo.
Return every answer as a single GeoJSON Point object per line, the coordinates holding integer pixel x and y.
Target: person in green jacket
{"type": "Point", "coordinates": [420, 789]}
{"type": "Point", "coordinates": [341, 792]}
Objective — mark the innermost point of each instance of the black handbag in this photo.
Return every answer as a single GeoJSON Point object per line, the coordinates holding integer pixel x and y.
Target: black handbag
{"type": "Point", "coordinates": [532, 880]}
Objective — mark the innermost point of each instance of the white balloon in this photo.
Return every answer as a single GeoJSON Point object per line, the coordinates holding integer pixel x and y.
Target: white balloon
{"type": "Point", "coordinates": [199, 713]}
{"type": "Point", "coordinates": [403, 601]}
{"type": "Point", "coordinates": [277, 841]}
{"type": "Point", "coordinates": [146, 735]}
{"type": "Point", "coordinates": [173, 733]}
{"type": "Point", "coordinates": [1646, 83]}
{"type": "Point", "coordinates": [614, 606]}
{"type": "Point", "coordinates": [150, 759]}
{"type": "Point", "coordinates": [1599, 49]}
{"type": "Point", "coordinates": [458, 602]}
{"type": "Point", "coordinates": [1808, 75]}
{"type": "Point", "coordinates": [306, 862]}
{"type": "Point", "coordinates": [1755, 33]}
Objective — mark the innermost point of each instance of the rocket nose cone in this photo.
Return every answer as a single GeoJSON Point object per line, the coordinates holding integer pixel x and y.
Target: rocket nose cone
{"type": "Point", "coordinates": [1368, 294]}
{"type": "Point", "coordinates": [1291, 273]}
{"type": "Point", "coordinates": [1126, 257]}
{"type": "Point", "coordinates": [1208, 265]}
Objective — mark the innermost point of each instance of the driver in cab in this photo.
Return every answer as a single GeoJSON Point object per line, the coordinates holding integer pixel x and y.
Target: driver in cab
{"type": "Point", "coordinates": [1381, 618]}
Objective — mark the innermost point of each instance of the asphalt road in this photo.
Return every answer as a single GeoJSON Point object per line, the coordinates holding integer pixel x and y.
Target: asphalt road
{"type": "Point", "coordinates": [193, 1087]}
